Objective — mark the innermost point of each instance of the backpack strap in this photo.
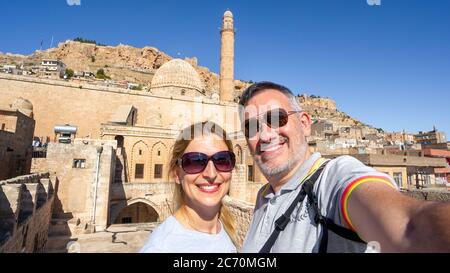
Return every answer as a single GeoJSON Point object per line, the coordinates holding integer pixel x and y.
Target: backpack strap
{"type": "Point", "coordinates": [283, 220]}
{"type": "Point", "coordinates": [326, 222]}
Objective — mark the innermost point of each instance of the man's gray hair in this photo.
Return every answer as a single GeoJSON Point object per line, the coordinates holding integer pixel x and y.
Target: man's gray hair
{"type": "Point", "coordinates": [255, 88]}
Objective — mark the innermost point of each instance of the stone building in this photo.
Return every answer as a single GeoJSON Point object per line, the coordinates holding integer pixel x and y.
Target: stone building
{"type": "Point", "coordinates": [353, 132]}
{"type": "Point", "coordinates": [85, 170]}
{"type": "Point", "coordinates": [52, 69]}
{"type": "Point", "coordinates": [442, 173]}
{"type": "Point", "coordinates": [431, 137]}
{"type": "Point", "coordinates": [439, 146]}
{"type": "Point", "coordinates": [399, 137]}
{"type": "Point", "coordinates": [16, 136]}
{"type": "Point", "coordinates": [116, 170]}
{"type": "Point", "coordinates": [408, 171]}
{"type": "Point", "coordinates": [141, 190]}
{"type": "Point", "coordinates": [323, 128]}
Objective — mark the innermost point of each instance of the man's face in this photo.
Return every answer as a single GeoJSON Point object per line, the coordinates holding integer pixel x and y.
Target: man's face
{"type": "Point", "coordinates": [276, 150]}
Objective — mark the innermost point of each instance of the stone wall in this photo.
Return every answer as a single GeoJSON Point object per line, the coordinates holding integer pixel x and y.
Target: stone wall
{"type": "Point", "coordinates": [429, 195]}
{"type": "Point", "coordinates": [39, 165]}
{"type": "Point", "coordinates": [88, 106]}
{"type": "Point", "coordinates": [242, 189]}
{"type": "Point", "coordinates": [25, 211]}
{"type": "Point", "coordinates": [242, 212]}
{"type": "Point", "coordinates": [237, 186]}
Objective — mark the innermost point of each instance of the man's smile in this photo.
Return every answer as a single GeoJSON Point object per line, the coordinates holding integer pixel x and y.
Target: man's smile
{"type": "Point", "coordinates": [272, 148]}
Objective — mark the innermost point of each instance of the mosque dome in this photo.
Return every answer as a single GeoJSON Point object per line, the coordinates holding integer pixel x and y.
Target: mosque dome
{"type": "Point", "coordinates": [23, 105]}
{"type": "Point", "coordinates": [177, 73]}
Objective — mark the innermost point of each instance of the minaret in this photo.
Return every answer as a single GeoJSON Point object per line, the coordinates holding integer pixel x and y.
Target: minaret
{"type": "Point", "coordinates": [227, 58]}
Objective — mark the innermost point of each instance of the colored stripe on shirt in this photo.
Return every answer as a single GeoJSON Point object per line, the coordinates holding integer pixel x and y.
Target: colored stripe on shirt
{"type": "Point", "coordinates": [353, 185]}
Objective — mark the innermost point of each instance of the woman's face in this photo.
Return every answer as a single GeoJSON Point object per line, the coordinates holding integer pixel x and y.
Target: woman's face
{"type": "Point", "coordinates": [205, 189]}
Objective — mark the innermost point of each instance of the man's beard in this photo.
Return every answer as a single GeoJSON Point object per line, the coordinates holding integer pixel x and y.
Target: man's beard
{"type": "Point", "coordinates": [285, 167]}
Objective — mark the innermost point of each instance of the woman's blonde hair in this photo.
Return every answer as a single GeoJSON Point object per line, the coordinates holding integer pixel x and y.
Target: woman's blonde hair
{"type": "Point", "coordinates": [186, 136]}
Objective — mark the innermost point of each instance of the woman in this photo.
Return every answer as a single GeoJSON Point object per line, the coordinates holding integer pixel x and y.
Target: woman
{"type": "Point", "coordinates": [201, 164]}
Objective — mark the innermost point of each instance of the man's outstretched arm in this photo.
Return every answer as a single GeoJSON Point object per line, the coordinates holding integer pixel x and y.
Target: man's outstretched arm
{"type": "Point", "coordinates": [399, 223]}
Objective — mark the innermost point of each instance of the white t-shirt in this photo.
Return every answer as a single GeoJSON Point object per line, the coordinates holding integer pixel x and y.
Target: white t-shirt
{"type": "Point", "coordinates": [172, 237]}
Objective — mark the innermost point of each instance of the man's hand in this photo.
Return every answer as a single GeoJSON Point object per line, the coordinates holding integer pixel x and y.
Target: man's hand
{"type": "Point", "coordinates": [399, 223]}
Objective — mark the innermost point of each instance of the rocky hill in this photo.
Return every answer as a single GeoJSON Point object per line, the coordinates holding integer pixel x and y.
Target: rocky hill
{"type": "Point", "coordinates": [121, 63]}
{"type": "Point", "coordinates": [129, 64]}
{"type": "Point", "coordinates": [325, 108]}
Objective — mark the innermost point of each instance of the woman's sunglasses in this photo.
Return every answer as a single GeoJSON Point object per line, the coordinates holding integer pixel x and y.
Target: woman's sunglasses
{"type": "Point", "coordinates": [274, 119]}
{"type": "Point", "coordinates": [194, 163]}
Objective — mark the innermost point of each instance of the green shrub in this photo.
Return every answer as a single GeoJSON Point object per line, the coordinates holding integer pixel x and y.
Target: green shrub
{"type": "Point", "coordinates": [101, 75]}
{"type": "Point", "coordinates": [85, 41]}
{"type": "Point", "coordinates": [69, 73]}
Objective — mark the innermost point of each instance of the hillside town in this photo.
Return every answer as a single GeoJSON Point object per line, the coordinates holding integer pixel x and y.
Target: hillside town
{"type": "Point", "coordinates": [87, 130]}
{"type": "Point", "coordinates": [334, 132]}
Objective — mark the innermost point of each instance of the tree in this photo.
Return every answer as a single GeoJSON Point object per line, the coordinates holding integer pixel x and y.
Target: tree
{"type": "Point", "coordinates": [87, 41]}
{"type": "Point", "coordinates": [101, 75]}
{"type": "Point", "coordinates": [138, 88]}
{"type": "Point", "coordinates": [69, 73]}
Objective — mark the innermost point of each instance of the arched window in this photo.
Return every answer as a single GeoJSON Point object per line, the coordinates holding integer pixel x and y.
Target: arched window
{"type": "Point", "coordinates": [119, 140]}
{"type": "Point", "coordinates": [159, 162]}
{"type": "Point", "coordinates": [137, 213]}
{"type": "Point", "coordinates": [140, 161]}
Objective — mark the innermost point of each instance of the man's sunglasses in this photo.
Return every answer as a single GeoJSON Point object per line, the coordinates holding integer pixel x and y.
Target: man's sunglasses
{"type": "Point", "coordinates": [194, 163]}
{"type": "Point", "coordinates": [274, 119]}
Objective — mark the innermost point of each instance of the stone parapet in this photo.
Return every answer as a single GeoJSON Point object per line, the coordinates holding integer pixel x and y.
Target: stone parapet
{"type": "Point", "coordinates": [429, 195]}
{"type": "Point", "coordinates": [25, 212]}
{"type": "Point", "coordinates": [242, 212]}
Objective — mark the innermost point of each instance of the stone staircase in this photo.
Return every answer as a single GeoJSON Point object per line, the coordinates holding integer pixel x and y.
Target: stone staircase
{"type": "Point", "coordinates": [62, 231]}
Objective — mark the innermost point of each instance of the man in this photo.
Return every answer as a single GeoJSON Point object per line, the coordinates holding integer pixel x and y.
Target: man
{"type": "Point", "coordinates": [351, 195]}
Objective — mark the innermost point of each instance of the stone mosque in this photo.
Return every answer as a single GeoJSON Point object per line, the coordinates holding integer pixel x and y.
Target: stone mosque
{"type": "Point", "coordinates": [115, 168]}
{"type": "Point", "coordinates": [143, 151]}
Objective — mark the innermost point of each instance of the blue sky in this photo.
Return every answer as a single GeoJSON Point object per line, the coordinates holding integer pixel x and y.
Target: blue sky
{"type": "Point", "coordinates": [386, 65]}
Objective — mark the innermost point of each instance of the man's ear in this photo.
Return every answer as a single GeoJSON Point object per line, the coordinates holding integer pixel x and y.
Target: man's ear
{"type": "Point", "coordinates": [305, 121]}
